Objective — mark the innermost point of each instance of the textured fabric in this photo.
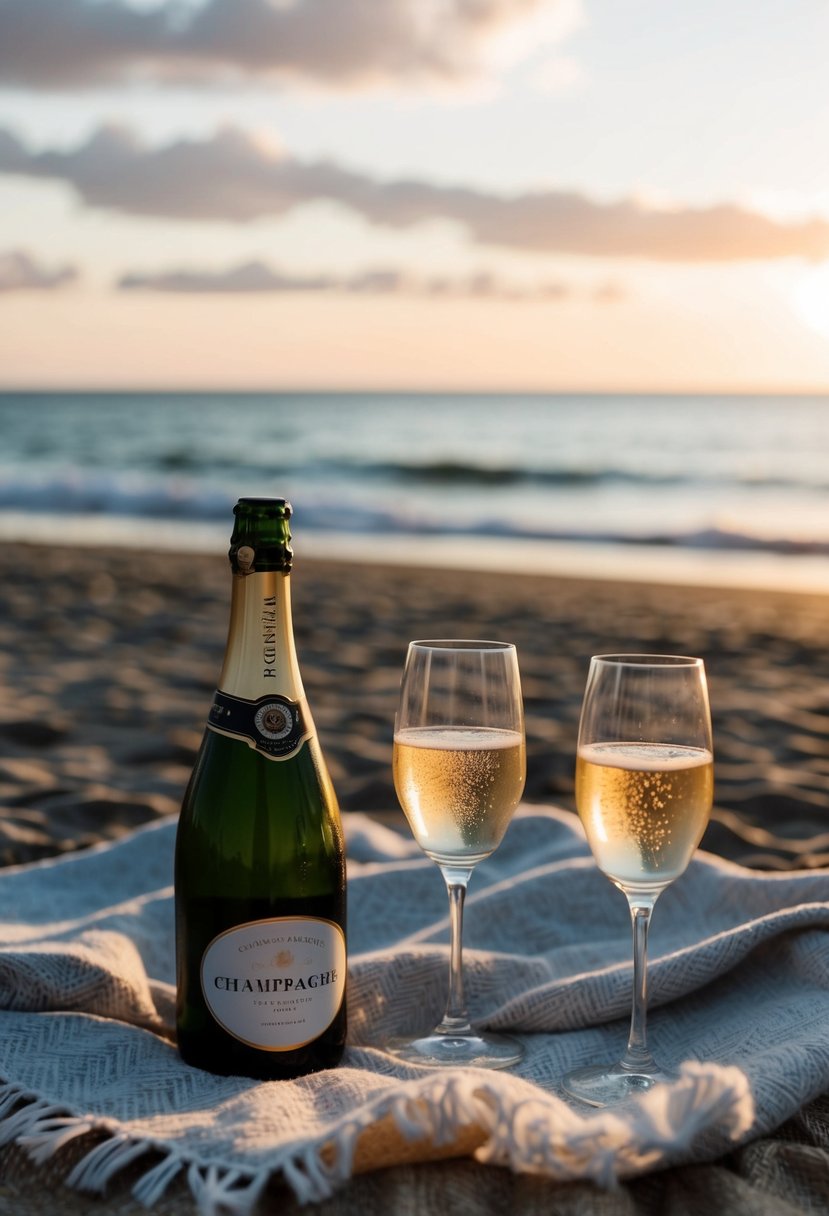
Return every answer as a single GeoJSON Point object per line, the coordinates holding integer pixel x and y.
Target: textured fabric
{"type": "Point", "coordinates": [738, 991]}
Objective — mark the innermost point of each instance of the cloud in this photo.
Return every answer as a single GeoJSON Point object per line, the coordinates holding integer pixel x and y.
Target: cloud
{"type": "Point", "coordinates": [558, 75]}
{"type": "Point", "coordinates": [257, 276]}
{"type": "Point", "coordinates": [609, 293]}
{"type": "Point", "coordinates": [335, 43]}
{"type": "Point", "coordinates": [233, 177]}
{"type": "Point", "coordinates": [20, 272]}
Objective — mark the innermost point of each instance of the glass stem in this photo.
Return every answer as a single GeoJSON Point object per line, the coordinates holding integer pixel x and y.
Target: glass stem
{"type": "Point", "coordinates": [637, 1057]}
{"type": "Point", "coordinates": [456, 1019]}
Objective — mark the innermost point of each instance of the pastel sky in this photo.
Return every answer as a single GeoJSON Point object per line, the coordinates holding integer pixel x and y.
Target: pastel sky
{"type": "Point", "coordinates": [503, 194]}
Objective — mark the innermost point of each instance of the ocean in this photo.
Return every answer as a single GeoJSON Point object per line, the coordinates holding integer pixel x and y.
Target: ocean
{"type": "Point", "coordinates": [708, 488]}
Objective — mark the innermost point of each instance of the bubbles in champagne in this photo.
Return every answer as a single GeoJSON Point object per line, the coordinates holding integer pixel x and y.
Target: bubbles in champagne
{"type": "Point", "coordinates": [459, 787]}
{"type": "Point", "coordinates": [644, 807]}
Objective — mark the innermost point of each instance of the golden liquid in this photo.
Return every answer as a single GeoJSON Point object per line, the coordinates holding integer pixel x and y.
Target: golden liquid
{"type": "Point", "coordinates": [644, 807]}
{"type": "Point", "coordinates": [459, 787]}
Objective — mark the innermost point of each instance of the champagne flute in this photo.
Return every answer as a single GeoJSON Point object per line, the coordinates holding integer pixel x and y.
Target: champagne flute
{"type": "Point", "coordinates": [644, 786]}
{"type": "Point", "coordinates": [459, 771]}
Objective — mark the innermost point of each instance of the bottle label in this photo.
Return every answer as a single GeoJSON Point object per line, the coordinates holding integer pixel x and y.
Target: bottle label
{"type": "Point", "coordinates": [276, 984]}
{"type": "Point", "coordinates": [272, 725]}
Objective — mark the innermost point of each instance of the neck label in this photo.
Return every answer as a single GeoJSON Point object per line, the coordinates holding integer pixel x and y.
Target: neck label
{"type": "Point", "coordinates": [269, 637]}
{"type": "Point", "coordinates": [273, 725]}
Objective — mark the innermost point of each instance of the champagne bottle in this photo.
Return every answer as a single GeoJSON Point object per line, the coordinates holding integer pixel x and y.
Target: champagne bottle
{"type": "Point", "coordinates": [260, 867]}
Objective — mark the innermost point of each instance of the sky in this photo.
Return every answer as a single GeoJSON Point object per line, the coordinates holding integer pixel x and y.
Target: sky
{"type": "Point", "coordinates": [542, 195]}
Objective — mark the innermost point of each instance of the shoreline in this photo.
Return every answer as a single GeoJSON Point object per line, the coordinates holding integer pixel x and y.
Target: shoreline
{"type": "Point", "coordinates": [661, 565]}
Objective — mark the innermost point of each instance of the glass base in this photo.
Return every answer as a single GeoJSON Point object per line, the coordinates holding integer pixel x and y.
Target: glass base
{"type": "Point", "coordinates": [474, 1050]}
{"type": "Point", "coordinates": [606, 1085]}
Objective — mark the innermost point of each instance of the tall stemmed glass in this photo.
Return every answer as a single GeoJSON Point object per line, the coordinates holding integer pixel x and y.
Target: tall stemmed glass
{"type": "Point", "coordinates": [459, 771]}
{"type": "Point", "coordinates": [644, 785]}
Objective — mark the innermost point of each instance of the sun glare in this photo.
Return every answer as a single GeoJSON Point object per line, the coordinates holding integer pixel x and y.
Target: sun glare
{"type": "Point", "coordinates": [811, 299]}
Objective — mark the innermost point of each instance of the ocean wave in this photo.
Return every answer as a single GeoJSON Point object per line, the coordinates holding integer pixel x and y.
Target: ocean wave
{"type": "Point", "coordinates": [134, 497]}
{"type": "Point", "coordinates": [191, 464]}
{"type": "Point", "coordinates": [448, 472]}
{"type": "Point", "coordinates": [199, 502]}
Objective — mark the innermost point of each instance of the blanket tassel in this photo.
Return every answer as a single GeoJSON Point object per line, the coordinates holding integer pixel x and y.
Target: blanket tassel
{"type": "Point", "coordinates": [224, 1192]}
{"type": "Point", "coordinates": [104, 1161]}
{"type": "Point", "coordinates": [151, 1186]}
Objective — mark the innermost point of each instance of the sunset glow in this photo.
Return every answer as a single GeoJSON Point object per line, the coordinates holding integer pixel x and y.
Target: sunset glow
{"type": "Point", "coordinates": [542, 199]}
{"type": "Point", "coordinates": [812, 299]}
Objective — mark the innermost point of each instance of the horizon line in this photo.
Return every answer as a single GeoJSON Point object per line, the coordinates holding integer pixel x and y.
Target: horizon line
{"type": "Point", "coordinates": [412, 391]}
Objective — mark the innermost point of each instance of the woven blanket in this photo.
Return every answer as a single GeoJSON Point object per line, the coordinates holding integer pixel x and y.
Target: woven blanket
{"type": "Point", "coordinates": [739, 997]}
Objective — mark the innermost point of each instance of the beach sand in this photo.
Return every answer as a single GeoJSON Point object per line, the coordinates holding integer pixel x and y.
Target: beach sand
{"type": "Point", "coordinates": [108, 661]}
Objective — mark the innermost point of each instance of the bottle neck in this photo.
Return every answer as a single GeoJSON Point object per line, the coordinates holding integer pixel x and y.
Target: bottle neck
{"type": "Point", "coordinates": [260, 656]}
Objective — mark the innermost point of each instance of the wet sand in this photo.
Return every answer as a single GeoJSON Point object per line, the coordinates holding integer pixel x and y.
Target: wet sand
{"type": "Point", "coordinates": [108, 661]}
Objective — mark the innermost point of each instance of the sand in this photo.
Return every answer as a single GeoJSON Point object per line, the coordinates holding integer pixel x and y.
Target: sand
{"type": "Point", "coordinates": [108, 660]}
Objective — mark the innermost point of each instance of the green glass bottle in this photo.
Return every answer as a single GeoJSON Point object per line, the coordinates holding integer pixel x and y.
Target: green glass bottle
{"type": "Point", "coordinates": [260, 865]}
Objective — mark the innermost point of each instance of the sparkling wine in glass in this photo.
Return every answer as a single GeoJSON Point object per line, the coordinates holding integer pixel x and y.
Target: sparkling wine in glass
{"type": "Point", "coordinates": [644, 786]}
{"type": "Point", "coordinates": [459, 771]}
